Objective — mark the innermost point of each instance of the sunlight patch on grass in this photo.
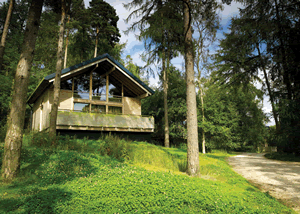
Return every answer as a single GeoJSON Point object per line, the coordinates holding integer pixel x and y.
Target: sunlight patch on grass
{"type": "Point", "coordinates": [78, 180]}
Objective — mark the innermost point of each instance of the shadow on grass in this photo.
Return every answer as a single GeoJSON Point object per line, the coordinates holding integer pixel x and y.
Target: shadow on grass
{"type": "Point", "coordinates": [36, 189]}
{"type": "Point", "coordinates": [46, 167]}
{"type": "Point", "coordinates": [41, 201]}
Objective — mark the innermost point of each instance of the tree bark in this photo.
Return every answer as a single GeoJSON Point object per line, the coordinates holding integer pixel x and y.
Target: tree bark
{"type": "Point", "coordinates": [192, 126]}
{"type": "Point", "coordinates": [54, 107]}
{"type": "Point", "coordinates": [286, 75]}
{"type": "Point", "coordinates": [275, 115]}
{"type": "Point", "coordinates": [165, 90]}
{"type": "Point", "coordinates": [14, 134]}
{"type": "Point", "coordinates": [96, 42]}
{"type": "Point", "coordinates": [5, 31]}
{"type": "Point", "coordinates": [203, 117]}
{"type": "Point", "coordinates": [67, 43]}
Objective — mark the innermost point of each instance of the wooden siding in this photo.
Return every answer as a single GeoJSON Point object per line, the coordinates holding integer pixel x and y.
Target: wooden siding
{"type": "Point", "coordinates": [132, 106]}
{"type": "Point", "coordinates": [65, 100]}
{"type": "Point", "coordinates": [41, 112]}
{"type": "Point", "coordinates": [130, 120]}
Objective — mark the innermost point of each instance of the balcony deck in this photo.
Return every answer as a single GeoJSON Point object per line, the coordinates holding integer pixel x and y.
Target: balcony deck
{"type": "Point", "coordinates": [68, 120]}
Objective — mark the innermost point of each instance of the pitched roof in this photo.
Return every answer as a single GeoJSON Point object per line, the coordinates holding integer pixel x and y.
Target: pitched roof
{"type": "Point", "coordinates": [45, 83]}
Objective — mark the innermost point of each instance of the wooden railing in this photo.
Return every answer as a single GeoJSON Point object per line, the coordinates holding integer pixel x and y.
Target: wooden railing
{"type": "Point", "coordinates": [105, 122]}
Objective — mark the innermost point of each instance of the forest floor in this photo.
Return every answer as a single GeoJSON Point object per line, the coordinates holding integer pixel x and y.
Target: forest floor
{"type": "Point", "coordinates": [280, 179]}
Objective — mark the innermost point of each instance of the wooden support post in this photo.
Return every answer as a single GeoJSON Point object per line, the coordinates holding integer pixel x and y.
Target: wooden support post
{"type": "Point", "coordinates": [122, 99]}
{"type": "Point", "coordinates": [91, 90]}
{"type": "Point", "coordinates": [73, 81]}
{"type": "Point", "coordinates": [107, 88]}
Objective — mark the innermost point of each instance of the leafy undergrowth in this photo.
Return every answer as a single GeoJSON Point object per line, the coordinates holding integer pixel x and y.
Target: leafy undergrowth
{"type": "Point", "coordinates": [79, 176]}
{"type": "Point", "coordinates": [283, 156]}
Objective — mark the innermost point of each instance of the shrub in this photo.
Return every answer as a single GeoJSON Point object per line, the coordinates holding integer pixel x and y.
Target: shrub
{"type": "Point", "coordinates": [3, 133]}
{"type": "Point", "coordinates": [182, 165]}
{"type": "Point", "coordinates": [114, 147]}
{"type": "Point", "coordinates": [38, 139]}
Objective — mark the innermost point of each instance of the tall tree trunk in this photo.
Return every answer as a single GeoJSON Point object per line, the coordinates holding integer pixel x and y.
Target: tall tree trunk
{"type": "Point", "coordinates": [286, 74]}
{"type": "Point", "coordinates": [192, 126]}
{"type": "Point", "coordinates": [198, 56]}
{"type": "Point", "coordinates": [5, 31]}
{"type": "Point", "coordinates": [14, 134]}
{"type": "Point", "coordinates": [67, 43]}
{"type": "Point", "coordinates": [203, 117]}
{"type": "Point", "coordinates": [54, 107]}
{"type": "Point", "coordinates": [96, 42]}
{"type": "Point", "coordinates": [165, 90]}
{"type": "Point", "coordinates": [275, 115]}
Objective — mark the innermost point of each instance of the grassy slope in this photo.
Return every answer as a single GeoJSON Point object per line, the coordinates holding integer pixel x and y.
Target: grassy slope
{"type": "Point", "coordinates": [82, 181]}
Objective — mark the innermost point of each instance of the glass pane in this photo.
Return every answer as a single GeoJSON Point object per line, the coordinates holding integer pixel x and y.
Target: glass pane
{"type": "Point", "coordinates": [99, 86]}
{"type": "Point", "coordinates": [81, 95]}
{"type": "Point", "coordinates": [115, 90]}
{"type": "Point", "coordinates": [82, 107]}
{"type": "Point", "coordinates": [66, 85]}
{"type": "Point", "coordinates": [82, 86]}
{"type": "Point", "coordinates": [116, 99]}
{"type": "Point", "coordinates": [114, 110]}
{"type": "Point", "coordinates": [98, 109]}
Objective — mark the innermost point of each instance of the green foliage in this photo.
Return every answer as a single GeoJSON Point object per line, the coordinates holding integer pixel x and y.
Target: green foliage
{"type": "Point", "coordinates": [3, 133]}
{"type": "Point", "coordinates": [151, 155]}
{"type": "Point", "coordinates": [81, 181]}
{"type": "Point", "coordinates": [108, 145]}
{"type": "Point", "coordinates": [271, 136]}
{"type": "Point", "coordinates": [177, 109]}
{"type": "Point", "coordinates": [283, 156]}
{"type": "Point", "coordinates": [265, 37]}
{"type": "Point", "coordinates": [104, 18]}
{"type": "Point", "coordinates": [233, 117]}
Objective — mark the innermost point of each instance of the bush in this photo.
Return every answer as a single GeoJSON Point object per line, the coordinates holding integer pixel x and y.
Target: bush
{"type": "Point", "coordinates": [37, 139]}
{"type": "Point", "coordinates": [3, 133]}
{"type": "Point", "coordinates": [182, 165]}
{"type": "Point", "coordinates": [114, 147]}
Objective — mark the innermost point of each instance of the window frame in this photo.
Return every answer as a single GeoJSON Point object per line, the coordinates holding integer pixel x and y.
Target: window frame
{"type": "Point", "coordinates": [91, 102]}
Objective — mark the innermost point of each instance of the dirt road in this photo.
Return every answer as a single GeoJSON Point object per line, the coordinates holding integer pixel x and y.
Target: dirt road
{"type": "Point", "coordinates": [281, 179]}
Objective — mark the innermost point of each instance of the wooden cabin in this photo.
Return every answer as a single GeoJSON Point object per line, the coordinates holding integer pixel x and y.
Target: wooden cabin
{"type": "Point", "coordinates": [96, 95]}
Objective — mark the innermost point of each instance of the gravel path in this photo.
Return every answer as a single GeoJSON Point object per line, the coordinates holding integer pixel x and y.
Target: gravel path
{"type": "Point", "coordinates": [280, 178]}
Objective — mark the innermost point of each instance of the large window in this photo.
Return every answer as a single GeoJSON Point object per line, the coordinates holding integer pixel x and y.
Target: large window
{"type": "Point", "coordinates": [99, 86]}
{"type": "Point", "coordinates": [66, 85]}
{"type": "Point", "coordinates": [114, 92]}
{"type": "Point", "coordinates": [98, 109]}
{"type": "Point", "coordinates": [114, 110]}
{"type": "Point", "coordinates": [82, 86]}
{"type": "Point", "coordinates": [95, 92]}
{"type": "Point", "coordinates": [82, 107]}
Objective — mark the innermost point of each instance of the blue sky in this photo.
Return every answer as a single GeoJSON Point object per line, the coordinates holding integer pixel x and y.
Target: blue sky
{"type": "Point", "coordinates": [135, 48]}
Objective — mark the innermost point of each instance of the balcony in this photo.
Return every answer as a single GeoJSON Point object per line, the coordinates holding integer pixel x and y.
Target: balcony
{"type": "Point", "coordinates": [69, 120]}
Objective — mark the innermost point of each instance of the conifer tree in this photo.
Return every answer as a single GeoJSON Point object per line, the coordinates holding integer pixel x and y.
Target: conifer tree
{"type": "Point", "coordinates": [103, 19]}
{"type": "Point", "coordinates": [65, 6]}
{"type": "Point", "coordinates": [5, 31]}
{"type": "Point", "coordinates": [14, 134]}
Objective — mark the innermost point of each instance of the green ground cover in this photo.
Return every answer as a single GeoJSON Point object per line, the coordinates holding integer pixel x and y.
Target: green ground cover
{"type": "Point", "coordinates": [115, 176]}
{"type": "Point", "coordinates": [283, 156]}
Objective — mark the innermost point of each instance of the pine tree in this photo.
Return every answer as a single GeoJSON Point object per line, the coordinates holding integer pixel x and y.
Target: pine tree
{"type": "Point", "coordinates": [14, 135]}
{"type": "Point", "coordinates": [65, 5]}
{"type": "Point", "coordinates": [103, 19]}
{"type": "Point", "coordinates": [5, 31]}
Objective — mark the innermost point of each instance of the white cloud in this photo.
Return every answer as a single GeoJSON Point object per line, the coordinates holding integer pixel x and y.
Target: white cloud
{"type": "Point", "coordinates": [230, 10]}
